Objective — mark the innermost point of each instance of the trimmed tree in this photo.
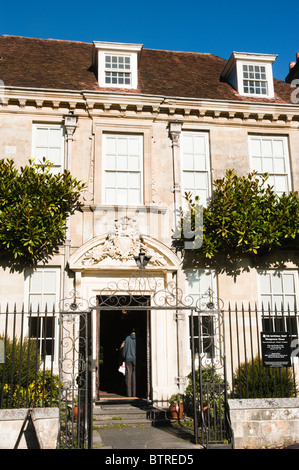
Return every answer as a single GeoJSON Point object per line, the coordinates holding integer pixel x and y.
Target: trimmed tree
{"type": "Point", "coordinates": [246, 216]}
{"type": "Point", "coordinates": [34, 207]}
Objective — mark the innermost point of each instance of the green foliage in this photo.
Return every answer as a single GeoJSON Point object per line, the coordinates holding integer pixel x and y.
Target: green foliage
{"type": "Point", "coordinates": [252, 380]}
{"type": "Point", "coordinates": [23, 384]}
{"type": "Point", "coordinates": [34, 207]}
{"type": "Point", "coordinates": [176, 398]}
{"type": "Point", "coordinates": [209, 377]}
{"type": "Point", "coordinates": [40, 393]}
{"type": "Point", "coordinates": [246, 216]}
{"type": "Point", "coordinates": [213, 391]}
{"type": "Point", "coordinates": [22, 360]}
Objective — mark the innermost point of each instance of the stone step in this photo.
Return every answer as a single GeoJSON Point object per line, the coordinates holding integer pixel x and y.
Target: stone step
{"type": "Point", "coordinates": [122, 423]}
{"type": "Point", "coordinates": [118, 415]}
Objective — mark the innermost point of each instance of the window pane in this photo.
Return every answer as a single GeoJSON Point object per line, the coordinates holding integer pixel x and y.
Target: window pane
{"type": "Point", "coordinates": [55, 137]}
{"type": "Point", "coordinates": [280, 184]}
{"type": "Point", "coordinates": [49, 301]}
{"type": "Point", "coordinates": [255, 146]}
{"type": "Point", "coordinates": [110, 196]}
{"type": "Point", "coordinates": [42, 137]}
{"type": "Point", "coordinates": [110, 179]}
{"type": "Point", "coordinates": [133, 196]}
{"type": "Point", "coordinates": [48, 327]}
{"type": "Point", "coordinates": [289, 283]}
{"type": "Point", "coordinates": [134, 147]}
{"type": "Point", "coordinates": [279, 165]}
{"type": "Point", "coordinates": [265, 283]}
{"type": "Point", "coordinates": [35, 302]}
{"type": "Point", "coordinates": [257, 164]}
{"type": "Point", "coordinates": [277, 283]}
{"type": "Point", "coordinates": [267, 148]}
{"type": "Point", "coordinates": [266, 301]}
{"type": "Point", "coordinates": [54, 156]}
{"type": "Point", "coordinates": [49, 281]}
{"type": "Point", "coordinates": [200, 162]}
{"type": "Point", "coordinates": [279, 324]}
{"type": "Point", "coordinates": [188, 162]}
{"type": "Point", "coordinates": [189, 181]}
{"type": "Point", "coordinates": [289, 302]}
{"type": "Point", "coordinates": [122, 162]}
{"type": "Point", "coordinates": [278, 148]}
{"type": "Point", "coordinates": [133, 162]}
{"type": "Point", "coordinates": [268, 165]}
{"type": "Point", "coordinates": [200, 180]}
{"type": "Point", "coordinates": [199, 144]}
{"type": "Point", "coordinates": [122, 146]}
{"type": "Point", "coordinates": [34, 327]}
{"type": "Point", "coordinates": [122, 196]}
{"type": "Point", "coordinates": [134, 180]}
{"type": "Point", "coordinates": [36, 282]}
{"type": "Point", "coordinates": [110, 145]}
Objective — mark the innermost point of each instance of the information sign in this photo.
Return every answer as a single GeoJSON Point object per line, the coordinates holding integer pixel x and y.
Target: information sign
{"type": "Point", "coordinates": [276, 349]}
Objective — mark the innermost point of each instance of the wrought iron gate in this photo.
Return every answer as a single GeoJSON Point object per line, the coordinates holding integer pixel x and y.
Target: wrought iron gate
{"type": "Point", "coordinates": [142, 291]}
{"type": "Point", "coordinates": [75, 371]}
{"type": "Point", "coordinates": [209, 380]}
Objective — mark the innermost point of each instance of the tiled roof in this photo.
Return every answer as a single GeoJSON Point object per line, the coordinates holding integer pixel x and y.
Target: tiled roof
{"type": "Point", "coordinates": [59, 64]}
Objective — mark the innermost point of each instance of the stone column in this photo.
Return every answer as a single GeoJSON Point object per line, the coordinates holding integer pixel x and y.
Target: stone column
{"type": "Point", "coordinates": [175, 129]}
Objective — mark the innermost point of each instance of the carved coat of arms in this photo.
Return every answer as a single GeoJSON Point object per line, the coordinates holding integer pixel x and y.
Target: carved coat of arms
{"type": "Point", "coordinates": [122, 244]}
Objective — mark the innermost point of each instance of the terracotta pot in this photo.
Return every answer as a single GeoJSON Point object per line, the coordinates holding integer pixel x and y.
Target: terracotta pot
{"type": "Point", "coordinates": [75, 412]}
{"type": "Point", "coordinates": [176, 410]}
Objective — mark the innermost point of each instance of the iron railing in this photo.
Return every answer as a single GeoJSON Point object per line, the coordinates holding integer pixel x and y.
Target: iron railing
{"type": "Point", "coordinates": [247, 374]}
{"type": "Point", "coordinates": [28, 360]}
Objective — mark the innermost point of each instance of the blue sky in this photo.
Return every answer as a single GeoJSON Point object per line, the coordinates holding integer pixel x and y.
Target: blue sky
{"type": "Point", "coordinates": [217, 27]}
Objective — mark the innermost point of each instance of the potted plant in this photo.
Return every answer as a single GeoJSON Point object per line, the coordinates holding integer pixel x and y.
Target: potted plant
{"type": "Point", "coordinates": [75, 409]}
{"type": "Point", "coordinates": [176, 407]}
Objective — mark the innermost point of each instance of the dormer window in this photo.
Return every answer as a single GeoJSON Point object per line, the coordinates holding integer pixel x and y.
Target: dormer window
{"type": "Point", "coordinates": [117, 64]}
{"type": "Point", "coordinates": [118, 70]}
{"type": "Point", "coordinates": [250, 74]}
{"type": "Point", "coordinates": [255, 80]}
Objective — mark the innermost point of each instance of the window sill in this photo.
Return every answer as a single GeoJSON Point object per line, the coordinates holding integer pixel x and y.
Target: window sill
{"type": "Point", "coordinates": [154, 208]}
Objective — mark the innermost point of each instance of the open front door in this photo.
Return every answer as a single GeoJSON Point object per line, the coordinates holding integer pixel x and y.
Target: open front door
{"type": "Point", "coordinates": [113, 328]}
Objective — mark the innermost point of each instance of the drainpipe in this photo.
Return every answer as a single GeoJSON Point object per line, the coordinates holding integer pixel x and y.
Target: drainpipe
{"type": "Point", "coordinates": [175, 128]}
{"type": "Point", "coordinates": [70, 124]}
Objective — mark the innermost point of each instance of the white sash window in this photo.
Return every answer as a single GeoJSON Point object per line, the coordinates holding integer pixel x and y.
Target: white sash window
{"type": "Point", "coordinates": [48, 142]}
{"type": "Point", "coordinates": [196, 165]}
{"type": "Point", "coordinates": [123, 169]}
{"type": "Point", "coordinates": [270, 155]}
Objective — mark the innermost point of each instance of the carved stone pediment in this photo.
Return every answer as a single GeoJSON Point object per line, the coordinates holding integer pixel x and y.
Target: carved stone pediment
{"type": "Point", "coordinates": [119, 247]}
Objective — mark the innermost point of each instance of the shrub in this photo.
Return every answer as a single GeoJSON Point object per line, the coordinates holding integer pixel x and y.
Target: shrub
{"type": "Point", "coordinates": [252, 380]}
{"type": "Point", "coordinates": [22, 360]}
{"type": "Point", "coordinates": [23, 383]}
{"type": "Point", "coordinates": [213, 390]}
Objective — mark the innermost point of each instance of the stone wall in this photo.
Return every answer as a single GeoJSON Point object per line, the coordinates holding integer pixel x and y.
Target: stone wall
{"type": "Point", "coordinates": [39, 432]}
{"type": "Point", "coordinates": [260, 423]}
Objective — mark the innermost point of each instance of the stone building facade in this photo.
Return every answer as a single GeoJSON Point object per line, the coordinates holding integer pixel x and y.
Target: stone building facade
{"type": "Point", "coordinates": [141, 127]}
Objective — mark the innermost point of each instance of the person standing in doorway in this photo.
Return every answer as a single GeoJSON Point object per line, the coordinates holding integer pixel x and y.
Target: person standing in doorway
{"type": "Point", "coordinates": [129, 355]}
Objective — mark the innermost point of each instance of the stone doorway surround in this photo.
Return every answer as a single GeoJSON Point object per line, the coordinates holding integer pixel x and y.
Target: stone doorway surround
{"type": "Point", "coordinates": [107, 262]}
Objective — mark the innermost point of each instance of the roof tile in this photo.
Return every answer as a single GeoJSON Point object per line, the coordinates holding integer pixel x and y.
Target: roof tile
{"type": "Point", "coordinates": [58, 64]}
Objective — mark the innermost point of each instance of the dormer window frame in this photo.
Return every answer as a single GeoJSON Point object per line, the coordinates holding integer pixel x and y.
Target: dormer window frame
{"type": "Point", "coordinates": [258, 76]}
{"type": "Point", "coordinates": [122, 70]}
